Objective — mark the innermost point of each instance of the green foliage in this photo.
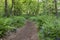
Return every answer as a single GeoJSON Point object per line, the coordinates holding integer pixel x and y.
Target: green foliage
{"type": "Point", "coordinates": [3, 27]}
{"type": "Point", "coordinates": [38, 11]}
{"type": "Point", "coordinates": [10, 23]}
{"type": "Point", "coordinates": [33, 19]}
{"type": "Point", "coordinates": [18, 21]}
{"type": "Point", "coordinates": [48, 26]}
{"type": "Point", "coordinates": [49, 29]}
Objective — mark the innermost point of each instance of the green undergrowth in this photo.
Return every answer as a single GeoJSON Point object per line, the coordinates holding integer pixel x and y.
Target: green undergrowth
{"type": "Point", "coordinates": [48, 26]}
{"type": "Point", "coordinates": [10, 23]}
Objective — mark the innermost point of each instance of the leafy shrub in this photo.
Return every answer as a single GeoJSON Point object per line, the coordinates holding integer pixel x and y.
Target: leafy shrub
{"type": "Point", "coordinates": [10, 23]}
{"type": "Point", "coordinates": [34, 18]}
{"type": "Point", "coordinates": [50, 27]}
{"type": "Point", "coordinates": [18, 21]}
{"type": "Point", "coordinates": [3, 27]}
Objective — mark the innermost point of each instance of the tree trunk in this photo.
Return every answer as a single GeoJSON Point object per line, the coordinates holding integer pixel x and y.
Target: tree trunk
{"type": "Point", "coordinates": [6, 8]}
{"type": "Point", "coordinates": [12, 8]}
{"type": "Point", "coordinates": [56, 7]}
{"type": "Point", "coordinates": [37, 9]}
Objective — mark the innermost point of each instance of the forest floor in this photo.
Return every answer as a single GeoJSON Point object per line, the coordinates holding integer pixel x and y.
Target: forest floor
{"type": "Point", "coordinates": [28, 32]}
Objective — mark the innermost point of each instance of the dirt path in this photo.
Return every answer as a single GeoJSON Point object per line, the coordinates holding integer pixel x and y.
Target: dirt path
{"type": "Point", "coordinates": [28, 32]}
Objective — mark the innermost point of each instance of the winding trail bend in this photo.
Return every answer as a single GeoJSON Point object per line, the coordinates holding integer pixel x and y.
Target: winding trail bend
{"type": "Point", "coordinates": [28, 32]}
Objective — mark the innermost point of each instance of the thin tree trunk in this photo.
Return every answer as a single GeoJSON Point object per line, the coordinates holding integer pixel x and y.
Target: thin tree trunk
{"type": "Point", "coordinates": [12, 8]}
{"type": "Point", "coordinates": [37, 10]}
{"type": "Point", "coordinates": [56, 7]}
{"type": "Point", "coordinates": [6, 9]}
